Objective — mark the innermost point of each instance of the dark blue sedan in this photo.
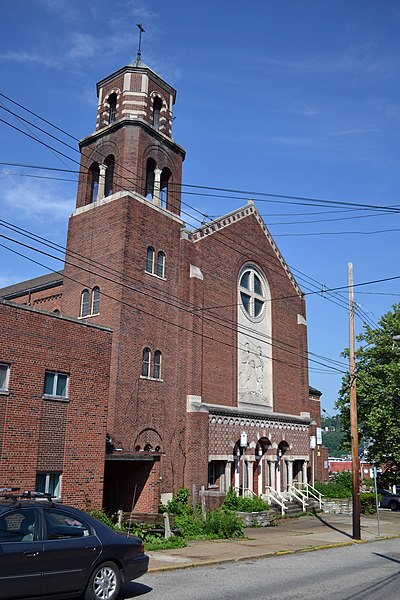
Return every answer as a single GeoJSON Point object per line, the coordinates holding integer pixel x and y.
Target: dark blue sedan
{"type": "Point", "coordinates": [49, 550]}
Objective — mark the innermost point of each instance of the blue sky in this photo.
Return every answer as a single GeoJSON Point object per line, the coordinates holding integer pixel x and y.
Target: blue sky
{"type": "Point", "coordinates": [291, 98]}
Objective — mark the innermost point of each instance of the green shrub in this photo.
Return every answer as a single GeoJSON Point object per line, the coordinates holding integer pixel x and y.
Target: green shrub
{"type": "Point", "coordinates": [100, 515]}
{"type": "Point", "coordinates": [368, 503]}
{"type": "Point", "coordinates": [344, 479]}
{"type": "Point", "coordinates": [339, 487]}
{"type": "Point", "coordinates": [223, 524]}
{"type": "Point", "coordinates": [190, 527]}
{"type": "Point", "coordinates": [243, 504]}
{"type": "Point", "coordinates": [160, 543]}
{"type": "Point", "coordinates": [179, 503]}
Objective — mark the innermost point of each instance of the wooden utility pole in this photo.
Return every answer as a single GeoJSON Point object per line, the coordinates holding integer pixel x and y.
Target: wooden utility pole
{"type": "Point", "coordinates": [353, 414]}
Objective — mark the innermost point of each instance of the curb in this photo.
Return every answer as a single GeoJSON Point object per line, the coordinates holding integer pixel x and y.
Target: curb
{"type": "Point", "coordinates": [211, 562]}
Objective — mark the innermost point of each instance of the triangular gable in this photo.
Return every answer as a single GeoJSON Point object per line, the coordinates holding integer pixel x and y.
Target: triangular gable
{"type": "Point", "coordinates": [198, 234]}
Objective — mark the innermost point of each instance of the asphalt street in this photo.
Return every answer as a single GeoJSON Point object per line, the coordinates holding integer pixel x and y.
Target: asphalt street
{"type": "Point", "coordinates": [356, 572]}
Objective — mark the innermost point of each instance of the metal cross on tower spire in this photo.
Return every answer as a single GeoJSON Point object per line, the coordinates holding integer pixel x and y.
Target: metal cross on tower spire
{"type": "Point", "coordinates": [141, 30]}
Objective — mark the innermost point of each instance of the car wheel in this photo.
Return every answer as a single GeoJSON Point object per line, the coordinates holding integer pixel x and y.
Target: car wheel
{"type": "Point", "coordinates": [394, 505]}
{"type": "Point", "coordinates": [104, 583]}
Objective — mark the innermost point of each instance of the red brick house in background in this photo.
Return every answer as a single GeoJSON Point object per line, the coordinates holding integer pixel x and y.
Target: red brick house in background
{"type": "Point", "coordinates": [209, 328]}
{"type": "Point", "coordinates": [54, 380]}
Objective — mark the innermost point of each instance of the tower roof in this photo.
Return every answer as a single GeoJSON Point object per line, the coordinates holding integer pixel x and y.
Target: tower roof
{"type": "Point", "coordinates": [140, 66]}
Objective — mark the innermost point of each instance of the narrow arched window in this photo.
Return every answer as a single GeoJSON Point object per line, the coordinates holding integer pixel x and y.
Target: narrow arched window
{"type": "Point", "coordinates": [150, 260]}
{"type": "Point", "coordinates": [85, 303]}
{"type": "Point", "coordinates": [146, 362]}
{"type": "Point", "coordinates": [112, 111]}
{"type": "Point", "coordinates": [157, 105]}
{"type": "Point", "coordinates": [150, 168]}
{"type": "Point", "coordinates": [160, 264]}
{"type": "Point", "coordinates": [157, 365]}
{"type": "Point", "coordinates": [94, 174]}
{"type": "Point", "coordinates": [109, 163]}
{"type": "Point", "coordinates": [95, 301]}
{"type": "Point", "coordinates": [165, 175]}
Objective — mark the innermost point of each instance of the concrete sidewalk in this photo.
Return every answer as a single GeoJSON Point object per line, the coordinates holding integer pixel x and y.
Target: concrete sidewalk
{"type": "Point", "coordinates": [303, 534]}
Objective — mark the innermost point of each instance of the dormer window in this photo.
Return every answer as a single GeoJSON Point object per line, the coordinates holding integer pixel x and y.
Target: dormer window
{"type": "Point", "coordinates": [112, 113]}
{"type": "Point", "coordinates": [157, 105]}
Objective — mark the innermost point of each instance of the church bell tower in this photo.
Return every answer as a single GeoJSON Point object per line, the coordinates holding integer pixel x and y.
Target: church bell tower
{"type": "Point", "coordinates": [132, 148]}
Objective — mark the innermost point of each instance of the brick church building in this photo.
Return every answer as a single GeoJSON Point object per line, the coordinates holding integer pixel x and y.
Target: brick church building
{"type": "Point", "coordinates": [208, 375]}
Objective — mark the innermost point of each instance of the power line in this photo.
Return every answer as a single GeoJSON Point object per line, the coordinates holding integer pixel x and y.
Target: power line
{"type": "Point", "coordinates": [124, 168]}
{"type": "Point", "coordinates": [152, 314]}
{"type": "Point", "coordinates": [216, 320]}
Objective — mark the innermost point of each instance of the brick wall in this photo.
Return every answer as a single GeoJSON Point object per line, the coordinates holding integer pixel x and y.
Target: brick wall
{"type": "Point", "coordinates": [38, 433]}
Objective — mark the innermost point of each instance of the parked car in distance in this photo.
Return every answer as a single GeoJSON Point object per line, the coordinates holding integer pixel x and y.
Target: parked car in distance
{"type": "Point", "coordinates": [389, 500]}
{"type": "Point", "coordinates": [49, 550]}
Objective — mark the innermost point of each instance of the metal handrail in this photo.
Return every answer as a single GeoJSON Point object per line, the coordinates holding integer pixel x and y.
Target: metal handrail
{"type": "Point", "coordinates": [272, 494]}
{"type": "Point", "coordinates": [247, 491]}
{"type": "Point", "coordinates": [298, 495]}
{"type": "Point", "coordinates": [312, 491]}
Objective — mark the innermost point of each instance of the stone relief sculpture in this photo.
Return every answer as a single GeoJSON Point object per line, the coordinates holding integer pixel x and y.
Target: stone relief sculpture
{"type": "Point", "coordinates": [252, 373]}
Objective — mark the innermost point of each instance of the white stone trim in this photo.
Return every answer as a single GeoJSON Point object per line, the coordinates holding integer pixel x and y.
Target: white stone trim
{"type": "Point", "coordinates": [237, 215]}
{"type": "Point", "coordinates": [191, 402]}
{"type": "Point", "coordinates": [145, 84]}
{"type": "Point", "coordinates": [227, 457]}
{"type": "Point", "coordinates": [301, 320]}
{"type": "Point", "coordinates": [141, 94]}
{"type": "Point", "coordinates": [127, 81]}
{"type": "Point", "coordinates": [195, 272]}
{"type": "Point", "coordinates": [135, 113]}
{"type": "Point", "coordinates": [261, 424]}
{"type": "Point", "coordinates": [133, 196]}
{"type": "Point", "coordinates": [134, 102]}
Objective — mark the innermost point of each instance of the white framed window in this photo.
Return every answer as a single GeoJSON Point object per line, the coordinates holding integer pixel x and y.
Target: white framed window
{"type": "Point", "coordinates": [56, 384]}
{"type": "Point", "coordinates": [49, 483]}
{"type": "Point", "coordinates": [95, 301]}
{"type": "Point", "coordinates": [4, 377]}
{"type": "Point", "coordinates": [85, 303]}
{"type": "Point", "coordinates": [160, 264]}
{"type": "Point", "coordinates": [157, 365]}
{"type": "Point", "coordinates": [90, 302]}
{"type": "Point", "coordinates": [155, 262]}
{"type": "Point", "coordinates": [252, 295]}
{"type": "Point", "coordinates": [146, 357]}
{"type": "Point", "coordinates": [150, 255]}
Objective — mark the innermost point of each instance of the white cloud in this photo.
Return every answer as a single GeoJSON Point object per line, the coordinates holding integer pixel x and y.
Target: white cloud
{"type": "Point", "coordinates": [23, 56]}
{"type": "Point", "coordinates": [39, 202]}
{"type": "Point", "coordinates": [82, 46]}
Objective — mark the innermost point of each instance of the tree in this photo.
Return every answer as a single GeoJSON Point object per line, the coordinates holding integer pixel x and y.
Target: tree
{"type": "Point", "coordinates": [332, 435]}
{"type": "Point", "coordinates": [378, 395]}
